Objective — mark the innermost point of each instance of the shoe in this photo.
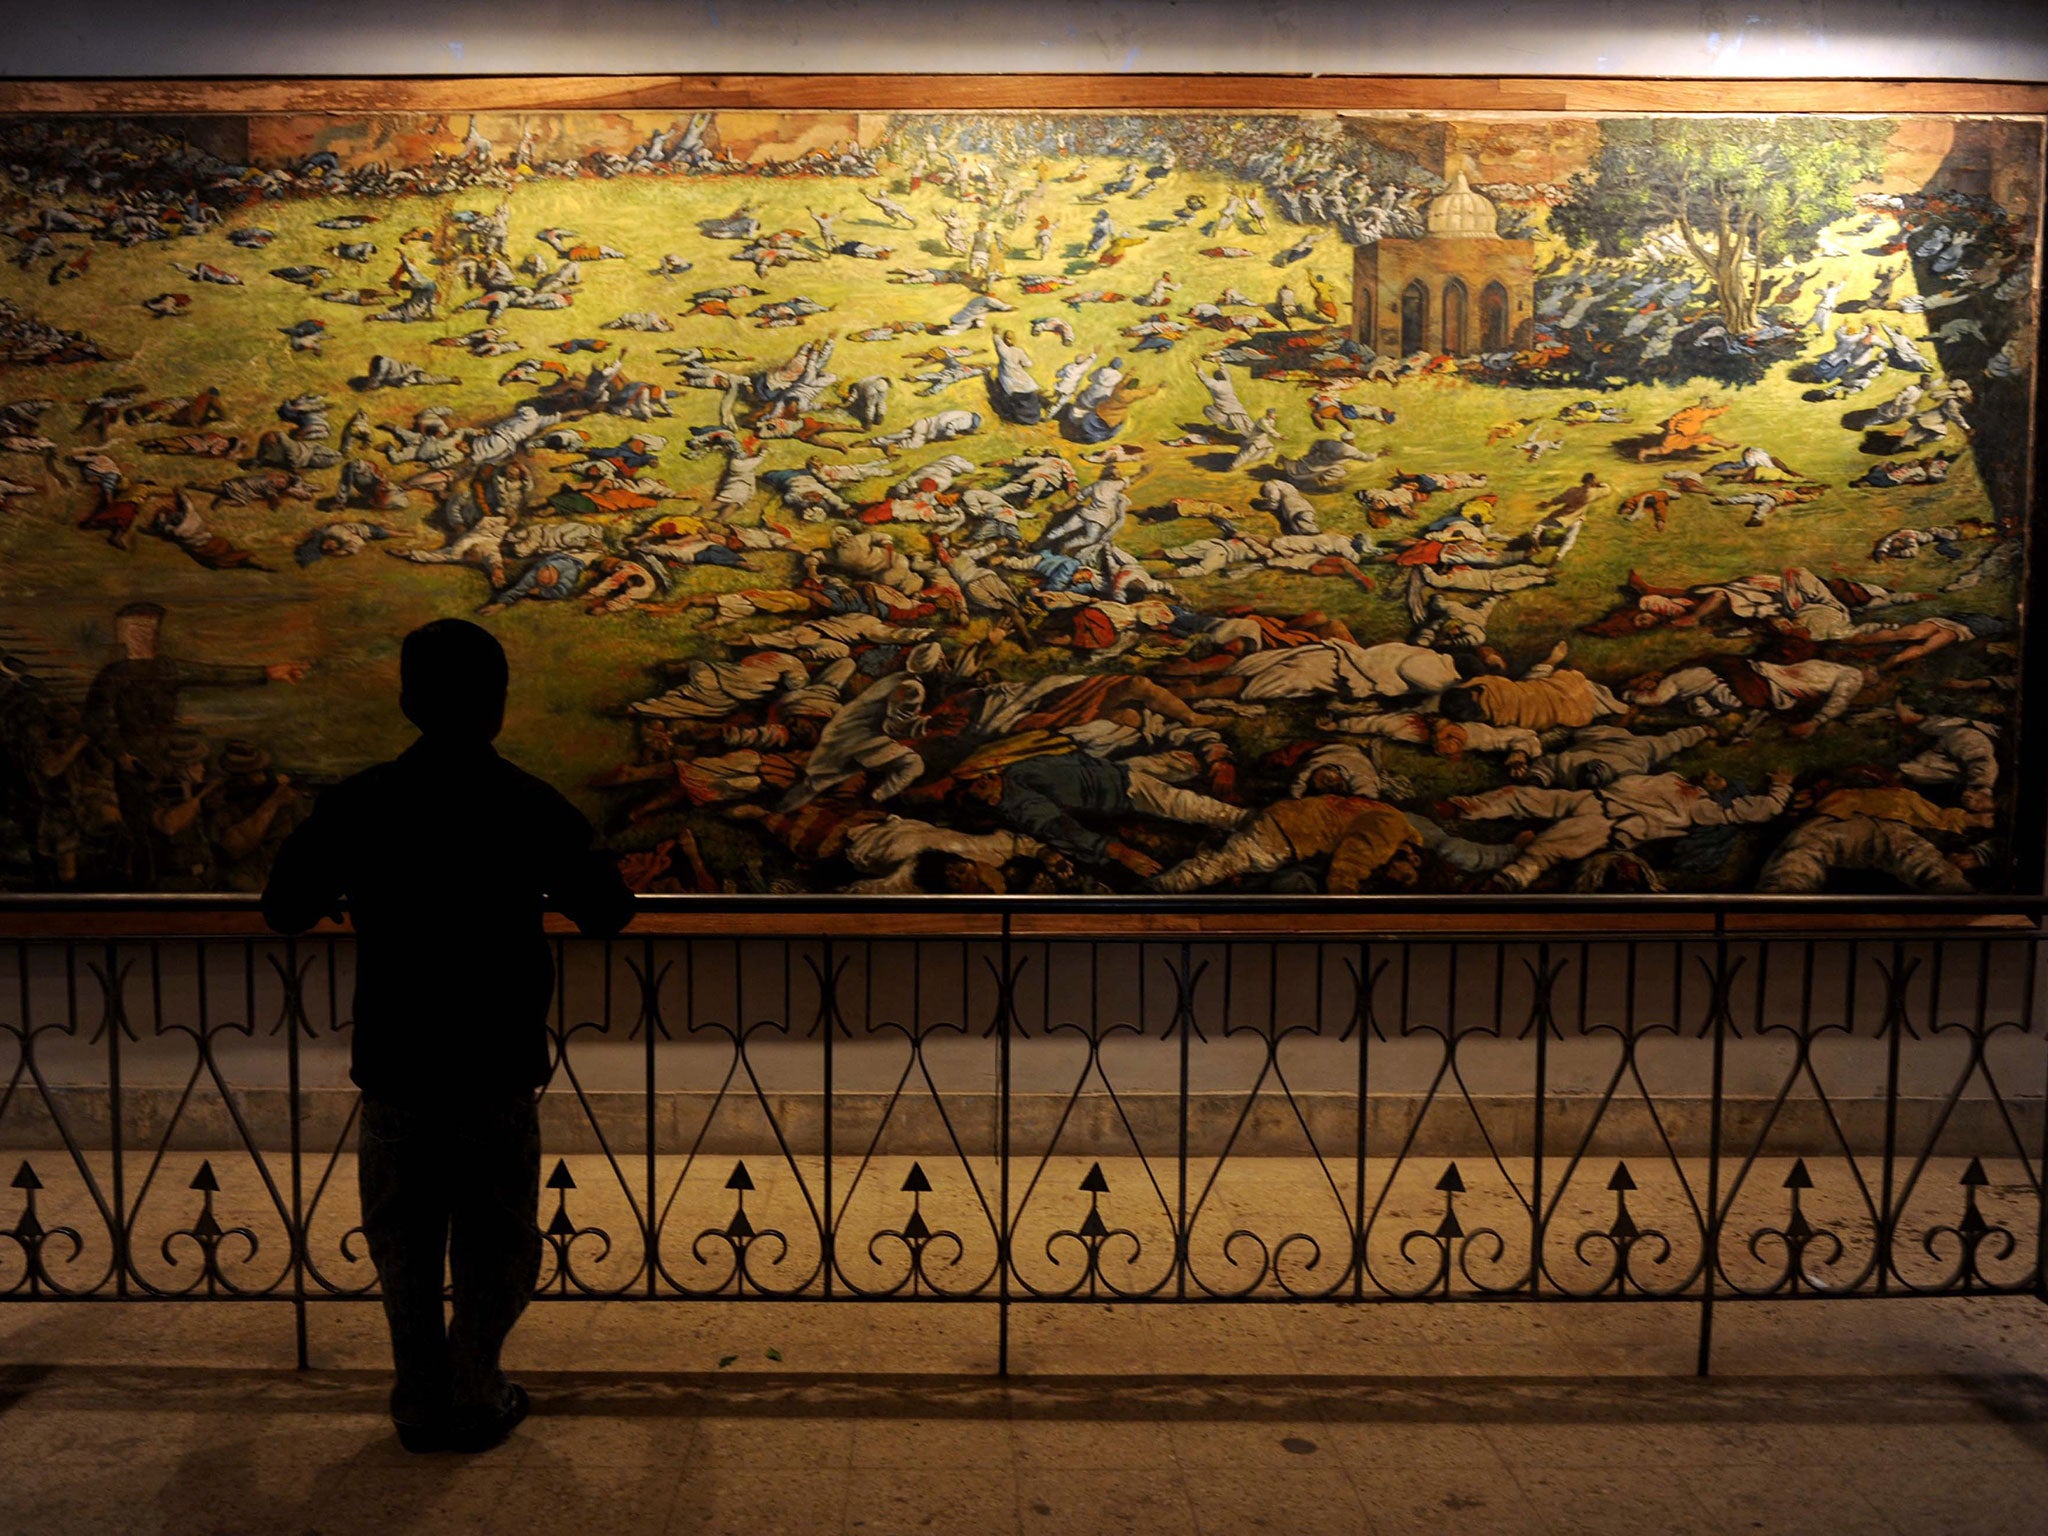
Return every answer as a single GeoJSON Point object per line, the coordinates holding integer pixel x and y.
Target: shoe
{"type": "Point", "coordinates": [475, 1433]}
{"type": "Point", "coordinates": [423, 1437]}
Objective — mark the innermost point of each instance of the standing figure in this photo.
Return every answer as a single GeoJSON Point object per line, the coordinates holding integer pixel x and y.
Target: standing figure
{"type": "Point", "coordinates": [453, 984]}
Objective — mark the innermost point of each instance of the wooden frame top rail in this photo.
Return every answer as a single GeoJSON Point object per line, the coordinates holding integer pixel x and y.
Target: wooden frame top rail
{"type": "Point", "coordinates": [925, 92]}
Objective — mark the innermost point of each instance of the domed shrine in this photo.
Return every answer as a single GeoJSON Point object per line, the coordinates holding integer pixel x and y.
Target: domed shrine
{"type": "Point", "coordinates": [1460, 289]}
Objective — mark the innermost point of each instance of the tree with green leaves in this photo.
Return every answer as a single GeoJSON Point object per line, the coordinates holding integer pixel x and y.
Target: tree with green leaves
{"type": "Point", "coordinates": [1743, 193]}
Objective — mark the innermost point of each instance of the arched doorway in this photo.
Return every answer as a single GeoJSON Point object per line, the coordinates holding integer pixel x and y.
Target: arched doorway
{"type": "Point", "coordinates": [1454, 318]}
{"type": "Point", "coordinates": [1414, 316]}
{"type": "Point", "coordinates": [1494, 328]}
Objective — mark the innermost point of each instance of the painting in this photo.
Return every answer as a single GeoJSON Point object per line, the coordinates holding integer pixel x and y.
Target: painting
{"type": "Point", "coordinates": [1177, 500]}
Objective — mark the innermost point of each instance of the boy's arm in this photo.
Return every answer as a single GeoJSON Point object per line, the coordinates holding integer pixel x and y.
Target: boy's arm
{"type": "Point", "coordinates": [305, 882]}
{"type": "Point", "coordinates": [585, 885]}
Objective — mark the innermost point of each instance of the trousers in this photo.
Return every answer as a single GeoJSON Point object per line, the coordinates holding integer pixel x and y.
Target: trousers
{"type": "Point", "coordinates": [450, 1195]}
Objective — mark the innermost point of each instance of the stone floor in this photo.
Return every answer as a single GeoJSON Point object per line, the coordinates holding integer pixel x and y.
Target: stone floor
{"type": "Point", "coordinates": [1903, 1416]}
{"type": "Point", "coordinates": [1913, 1417]}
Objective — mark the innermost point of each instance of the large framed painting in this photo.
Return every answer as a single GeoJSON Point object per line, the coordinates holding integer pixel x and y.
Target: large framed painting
{"type": "Point", "coordinates": [1072, 486]}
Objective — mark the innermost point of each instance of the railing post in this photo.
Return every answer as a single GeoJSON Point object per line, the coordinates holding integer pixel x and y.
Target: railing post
{"type": "Point", "coordinates": [1712, 1256]}
{"type": "Point", "coordinates": [294, 1015]}
{"type": "Point", "coordinates": [1186, 1028]}
{"type": "Point", "coordinates": [2033, 1012]}
{"type": "Point", "coordinates": [1005, 998]}
{"type": "Point", "coordinates": [650, 1025]}
{"type": "Point", "coordinates": [828, 1021]}
{"type": "Point", "coordinates": [114, 1107]}
{"type": "Point", "coordinates": [1895, 1029]}
{"type": "Point", "coordinates": [1537, 1219]}
{"type": "Point", "coordinates": [1361, 1016]}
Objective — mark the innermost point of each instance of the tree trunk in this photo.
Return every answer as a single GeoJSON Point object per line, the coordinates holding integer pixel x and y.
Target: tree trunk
{"type": "Point", "coordinates": [1738, 308]}
{"type": "Point", "coordinates": [1724, 265]}
{"type": "Point", "coordinates": [1756, 270]}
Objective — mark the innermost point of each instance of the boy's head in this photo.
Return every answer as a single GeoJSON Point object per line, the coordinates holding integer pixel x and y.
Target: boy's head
{"type": "Point", "coordinates": [451, 680]}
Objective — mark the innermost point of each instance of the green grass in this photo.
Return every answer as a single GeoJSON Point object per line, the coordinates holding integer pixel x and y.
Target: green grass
{"type": "Point", "coordinates": [347, 615]}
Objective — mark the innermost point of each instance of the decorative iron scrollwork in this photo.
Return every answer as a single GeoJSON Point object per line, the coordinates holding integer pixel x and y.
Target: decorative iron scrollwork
{"type": "Point", "coordinates": [1452, 1242]}
{"type": "Point", "coordinates": [563, 1234]}
{"type": "Point", "coordinates": [916, 1237]}
{"type": "Point", "coordinates": [207, 1234]}
{"type": "Point", "coordinates": [1973, 1233]}
{"type": "Point", "coordinates": [30, 1235]}
{"type": "Point", "coordinates": [739, 1235]}
{"type": "Point", "coordinates": [1094, 1234]}
{"type": "Point", "coordinates": [1622, 1237]}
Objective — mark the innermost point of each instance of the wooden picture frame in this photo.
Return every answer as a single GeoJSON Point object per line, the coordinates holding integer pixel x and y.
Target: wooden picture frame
{"type": "Point", "coordinates": [1448, 134]}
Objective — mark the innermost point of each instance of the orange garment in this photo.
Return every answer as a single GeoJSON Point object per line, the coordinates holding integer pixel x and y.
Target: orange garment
{"type": "Point", "coordinates": [1277, 632]}
{"type": "Point", "coordinates": [1901, 805]}
{"type": "Point", "coordinates": [1686, 429]}
{"type": "Point", "coordinates": [1537, 703]}
{"type": "Point", "coordinates": [619, 500]}
{"type": "Point", "coordinates": [1008, 751]}
{"type": "Point", "coordinates": [1314, 824]}
{"type": "Point", "coordinates": [1075, 705]}
{"type": "Point", "coordinates": [1094, 630]}
{"type": "Point", "coordinates": [1368, 839]}
{"type": "Point", "coordinates": [1118, 405]}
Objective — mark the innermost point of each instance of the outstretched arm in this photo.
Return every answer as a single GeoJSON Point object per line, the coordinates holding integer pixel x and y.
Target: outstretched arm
{"type": "Point", "coordinates": [305, 882]}
{"type": "Point", "coordinates": [585, 885]}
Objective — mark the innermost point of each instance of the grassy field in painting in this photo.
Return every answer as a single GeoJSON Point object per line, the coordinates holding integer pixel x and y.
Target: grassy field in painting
{"type": "Point", "coordinates": [570, 669]}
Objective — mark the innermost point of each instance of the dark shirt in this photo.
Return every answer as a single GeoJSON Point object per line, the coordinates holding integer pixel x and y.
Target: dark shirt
{"type": "Point", "coordinates": [447, 858]}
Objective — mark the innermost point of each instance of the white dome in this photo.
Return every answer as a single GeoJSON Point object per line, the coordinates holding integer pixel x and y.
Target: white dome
{"type": "Point", "coordinates": [1461, 211]}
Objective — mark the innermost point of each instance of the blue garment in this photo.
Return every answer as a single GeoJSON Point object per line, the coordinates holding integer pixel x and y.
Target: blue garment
{"type": "Point", "coordinates": [626, 458]}
{"type": "Point", "coordinates": [841, 597]}
{"type": "Point", "coordinates": [1086, 427]}
{"type": "Point", "coordinates": [1043, 795]}
{"type": "Point", "coordinates": [568, 569]}
{"type": "Point", "coordinates": [720, 554]}
{"type": "Point", "coordinates": [878, 660]}
{"type": "Point", "coordinates": [1056, 572]}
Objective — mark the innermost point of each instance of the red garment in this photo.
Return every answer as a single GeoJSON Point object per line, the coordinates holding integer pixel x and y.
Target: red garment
{"type": "Point", "coordinates": [1279, 633]}
{"type": "Point", "coordinates": [1079, 702]}
{"type": "Point", "coordinates": [1092, 630]}
{"type": "Point", "coordinates": [1740, 676]}
{"type": "Point", "coordinates": [114, 516]}
{"type": "Point", "coordinates": [1422, 552]}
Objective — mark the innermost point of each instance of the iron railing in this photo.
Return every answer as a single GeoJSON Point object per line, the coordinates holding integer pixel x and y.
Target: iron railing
{"type": "Point", "coordinates": [1007, 1116]}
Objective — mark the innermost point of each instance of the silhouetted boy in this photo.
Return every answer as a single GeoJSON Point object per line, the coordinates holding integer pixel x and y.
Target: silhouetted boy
{"type": "Point", "coordinates": [446, 858]}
